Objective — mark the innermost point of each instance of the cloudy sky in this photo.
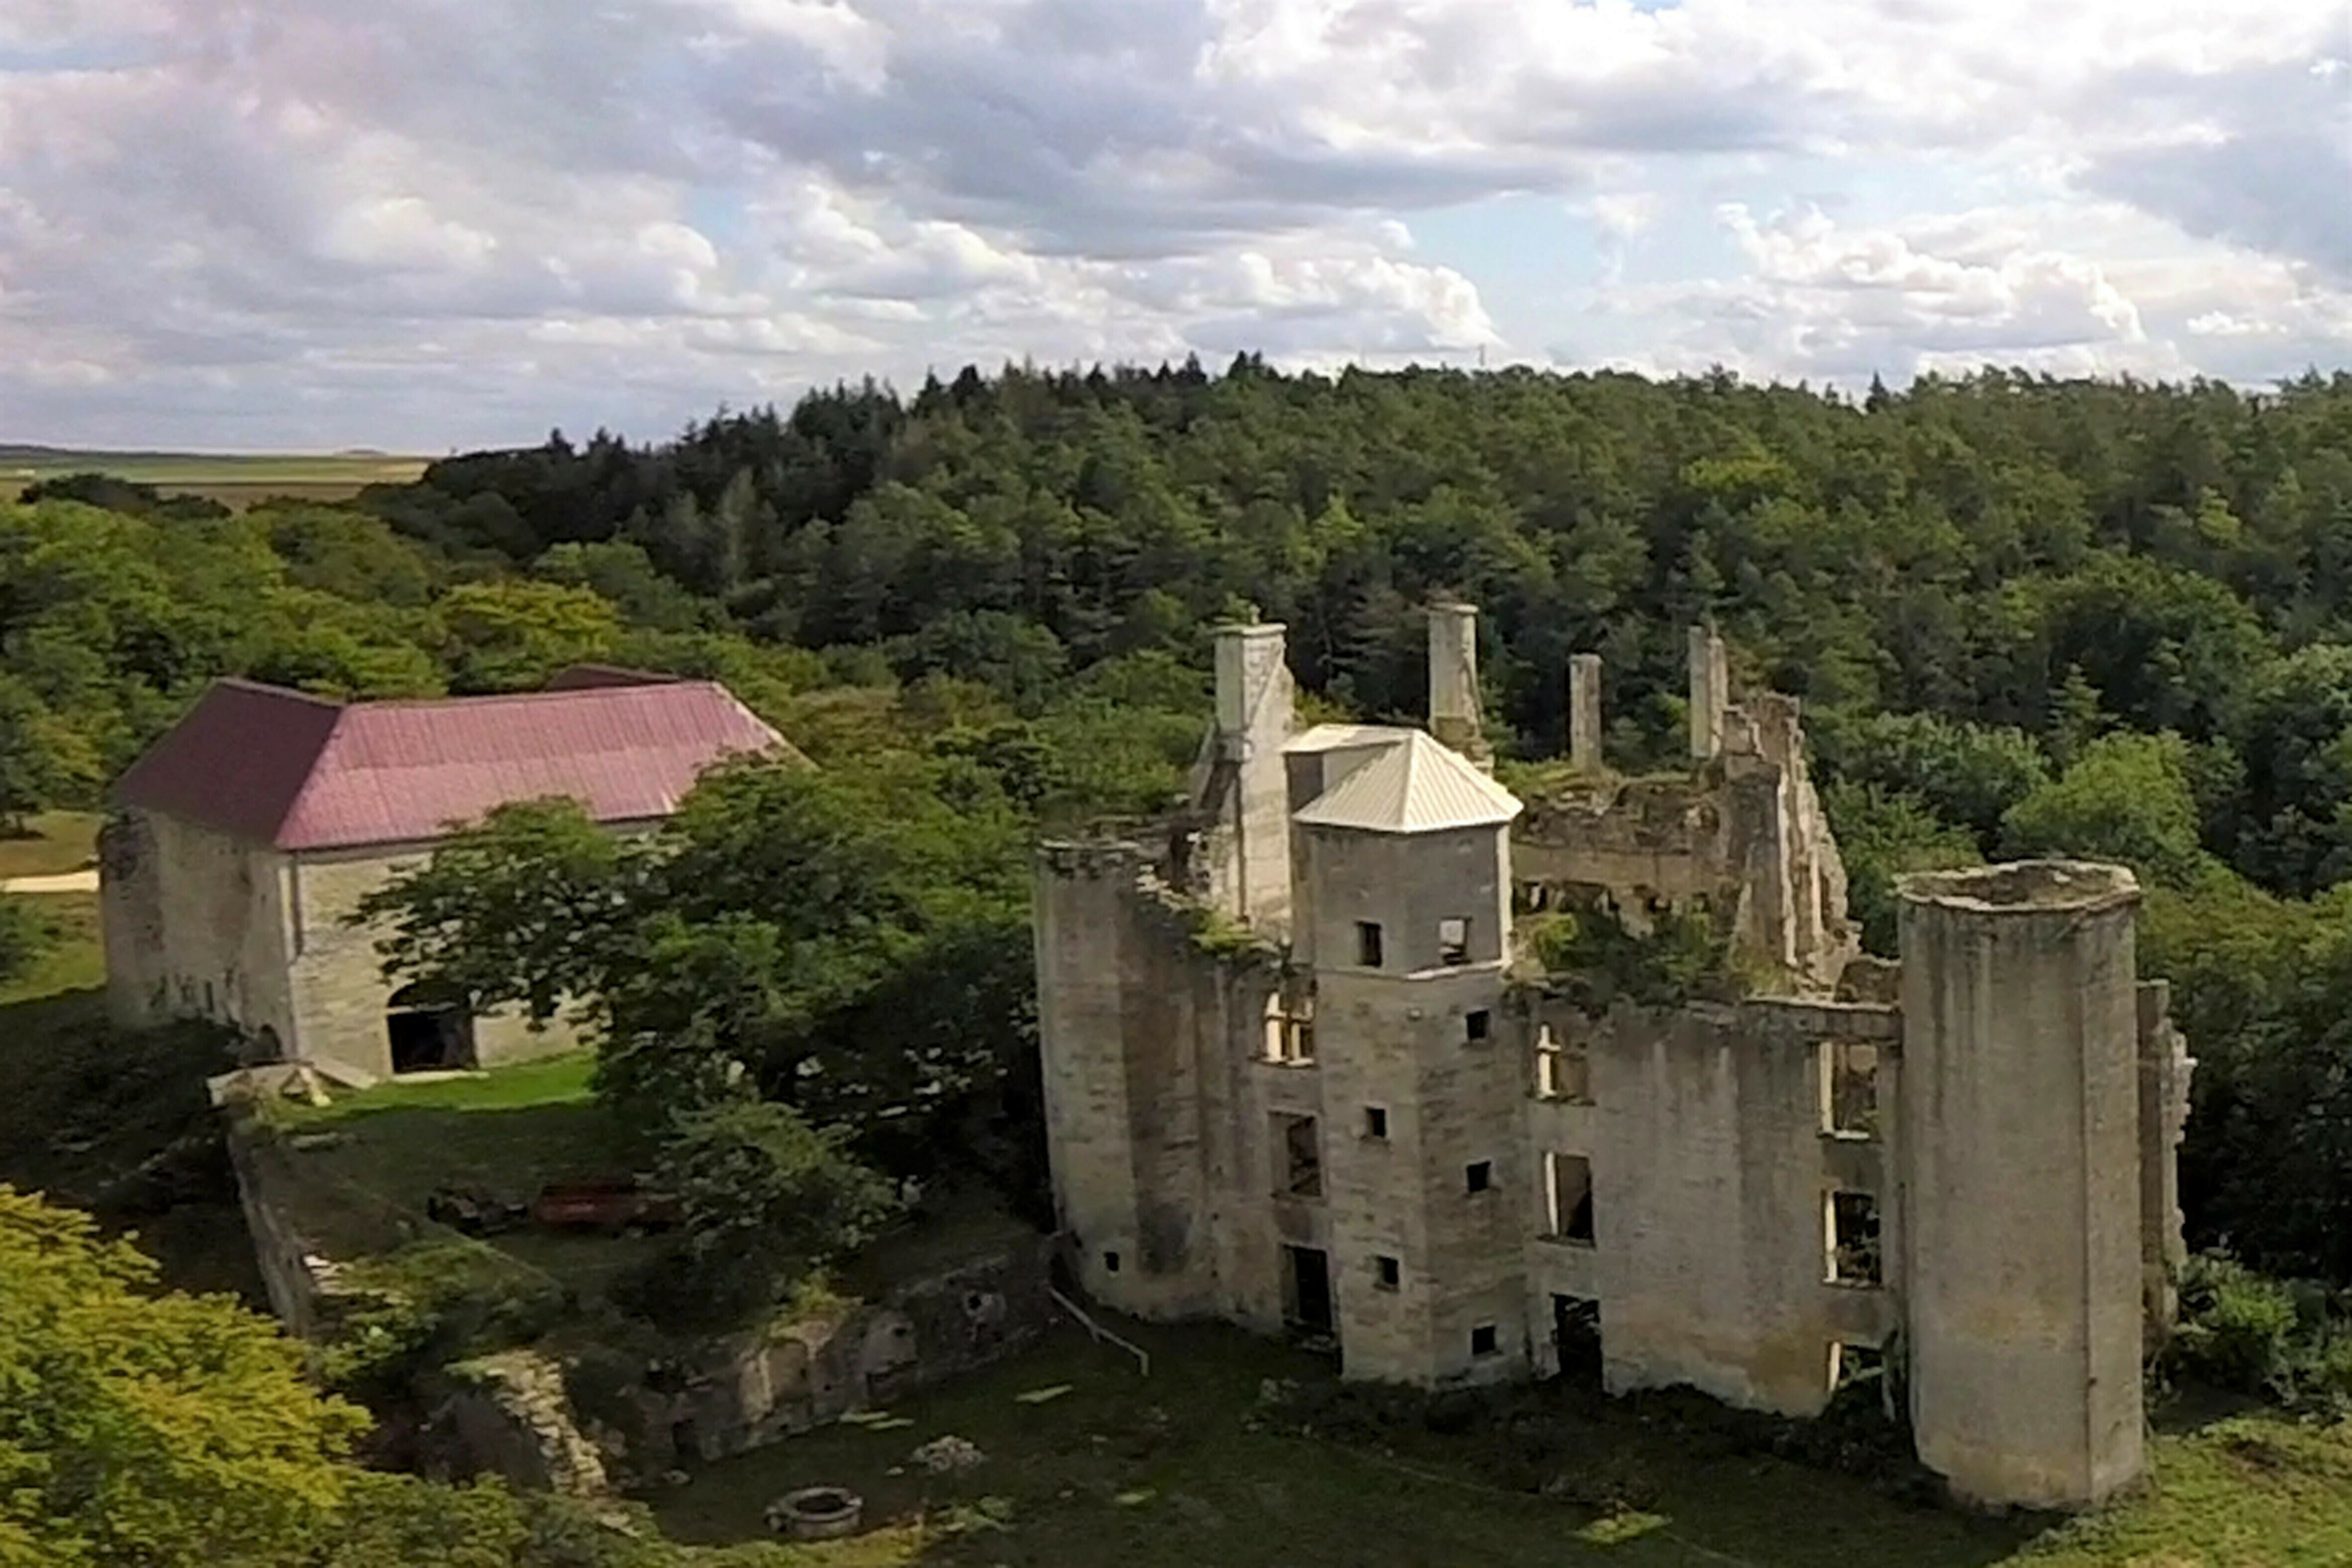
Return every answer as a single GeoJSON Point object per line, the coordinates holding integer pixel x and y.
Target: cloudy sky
{"type": "Point", "coordinates": [420, 223]}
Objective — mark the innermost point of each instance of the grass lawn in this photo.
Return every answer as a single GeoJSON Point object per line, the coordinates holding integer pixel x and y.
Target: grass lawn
{"type": "Point", "coordinates": [74, 967]}
{"type": "Point", "coordinates": [53, 841]}
{"type": "Point", "coordinates": [1173, 1472]}
{"type": "Point", "coordinates": [505, 1133]}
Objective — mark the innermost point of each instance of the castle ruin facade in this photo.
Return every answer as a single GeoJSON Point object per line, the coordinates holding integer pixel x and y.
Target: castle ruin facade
{"type": "Point", "coordinates": [1318, 1060]}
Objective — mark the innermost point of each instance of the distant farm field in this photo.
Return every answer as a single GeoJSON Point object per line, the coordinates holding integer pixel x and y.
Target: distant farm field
{"type": "Point", "coordinates": [236, 480]}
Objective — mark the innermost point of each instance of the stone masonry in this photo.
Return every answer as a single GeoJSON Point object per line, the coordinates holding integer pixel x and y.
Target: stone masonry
{"type": "Point", "coordinates": [1300, 1076]}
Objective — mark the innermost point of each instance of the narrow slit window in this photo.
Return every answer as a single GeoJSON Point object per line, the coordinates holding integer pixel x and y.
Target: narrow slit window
{"type": "Point", "coordinates": [1477, 1026]}
{"type": "Point", "coordinates": [1568, 1197]}
{"type": "Point", "coordinates": [1367, 943]}
{"type": "Point", "coordinates": [1854, 1250]}
{"type": "Point", "coordinates": [1849, 1071]}
{"type": "Point", "coordinates": [1388, 1273]}
{"type": "Point", "coordinates": [1453, 941]}
{"type": "Point", "coordinates": [1110, 1263]}
{"type": "Point", "coordinates": [1480, 1177]}
{"type": "Point", "coordinates": [1376, 1122]}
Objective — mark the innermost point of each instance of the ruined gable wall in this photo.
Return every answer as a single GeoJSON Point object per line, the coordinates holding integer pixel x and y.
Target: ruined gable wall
{"type": "Point", "coordinates": [1710, 1173]}
{"type": "Point", "coordinates": [1742, 837]}
{"type": "Point", "coordinates": [130, 922]}
{"type": "Point", "coordinates": [1156, 1105]}
{"type": "Point", "coordinates": [195, 925]}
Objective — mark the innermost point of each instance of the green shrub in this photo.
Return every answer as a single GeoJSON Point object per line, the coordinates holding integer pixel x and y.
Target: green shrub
{"type": "Point", "coordinates": [410, 1312]}
{"type": "Point", "coordinates": [25, 937]}
{"type": "Point", "coordinates": [1598, 960]}
{"type": "Point", "coordinates": [2289, 1342]}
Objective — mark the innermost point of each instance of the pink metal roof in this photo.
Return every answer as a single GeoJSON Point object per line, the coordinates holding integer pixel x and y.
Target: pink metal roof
{"type": "Point", "coordinates": [302, 773]}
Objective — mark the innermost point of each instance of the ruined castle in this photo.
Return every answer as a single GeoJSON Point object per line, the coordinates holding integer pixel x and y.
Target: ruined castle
{"type": "Point", "coordinates": [1307, 1068]}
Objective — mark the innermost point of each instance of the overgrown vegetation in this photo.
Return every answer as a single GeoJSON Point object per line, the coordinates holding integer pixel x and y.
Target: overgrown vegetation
{"type": "Point", "coordinates": [2287, 1342]}
{"type": "Point", "coordinates": [1598, 958]}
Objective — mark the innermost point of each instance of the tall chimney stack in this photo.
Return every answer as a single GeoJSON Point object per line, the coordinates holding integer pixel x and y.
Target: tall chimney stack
{"type": "Point", "coordinates": [1255, 714]}
{"type": "Point", "coordinates": [1454, 715]}
{"type": "Point", "coordinates": [1711, 681]}
{"type": "Point", "coordinates": [1584, 712]}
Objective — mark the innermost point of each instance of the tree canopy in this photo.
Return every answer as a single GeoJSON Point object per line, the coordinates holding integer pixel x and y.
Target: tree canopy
{"type": "Point", "coordinates": [157, 1430]}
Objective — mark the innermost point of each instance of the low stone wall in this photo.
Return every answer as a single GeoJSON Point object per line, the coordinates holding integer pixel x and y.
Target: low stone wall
{"type": "Point", "coordinates": [745, 1391]}
{"type": "Point", "coordinates": [580, 1416]}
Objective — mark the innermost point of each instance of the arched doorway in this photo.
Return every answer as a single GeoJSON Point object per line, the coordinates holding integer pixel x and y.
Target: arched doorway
{"type": "Point", "coordinates": [427, 1037]}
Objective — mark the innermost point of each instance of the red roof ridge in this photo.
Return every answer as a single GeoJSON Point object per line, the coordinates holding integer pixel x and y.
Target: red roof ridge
{"type": "Point", "coordinates": [606, 693]}
{"type": "Point", "coordinates": [270, 689]}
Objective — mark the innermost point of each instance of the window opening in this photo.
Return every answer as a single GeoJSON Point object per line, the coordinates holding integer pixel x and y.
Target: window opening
{"type": "Point", "coordinates": [1477, 1026]}
{"type": "Point", "coordinates": [1480, 1177]}
{"type": "Point", "coordinates": [1849, 1071]}
{"type": "Point", "coordinates": [1367, 943]}
{"type": "Point", "coordinates": [1290, 1034]}
{"type": "Point", "coordinates": [1853, 1252]}
{"type": "Point", "coordinates": [1562, 1072]}
{"type": "Point", "coordinates": [1576, 1338]}
{"type": "Point", "coordinates": [1854, 1363]}
{"type": "Point", "coordinates": [1453, 941]}
{"type": "Point", "coordinates": [1568, 1197]}
{"type": "Point", "coordinates": [1388, 1273]}
{"type": "Point", "coordinates": [1376, 1122]}
{"type": "Point", "coordinates": [1484, 1340]}
{"type": "Point", "coordinates": [1110, 1263]}
{"type": "Point", "coordinates": [1302, 1156]}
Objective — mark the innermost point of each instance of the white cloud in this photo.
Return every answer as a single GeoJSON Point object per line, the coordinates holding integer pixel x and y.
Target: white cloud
{"type": "Point", "coordinates": [326, 221]}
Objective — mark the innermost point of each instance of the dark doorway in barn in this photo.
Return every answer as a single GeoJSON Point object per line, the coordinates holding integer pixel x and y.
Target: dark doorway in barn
{"type": "Point", "coordinates": [428, 1038]}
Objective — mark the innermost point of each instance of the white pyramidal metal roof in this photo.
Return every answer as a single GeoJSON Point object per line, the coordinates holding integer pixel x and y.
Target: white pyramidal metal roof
{"type": "Point", "coordinates": [1416, 786]}
{"type": "Point", "coordinates": [1343, 737]}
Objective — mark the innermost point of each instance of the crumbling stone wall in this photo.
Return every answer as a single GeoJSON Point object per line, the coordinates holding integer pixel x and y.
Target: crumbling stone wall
{"type": "Point", "coordinates": [1154, 1071]}
{"type": "Point", "coordinates": [195, 925]}
{"type": "Point", "coordinates": [1710, 1167]}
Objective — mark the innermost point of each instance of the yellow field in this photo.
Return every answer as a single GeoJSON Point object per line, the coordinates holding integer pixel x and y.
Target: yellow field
{"type": "Point", "coordinates": [235, 480]}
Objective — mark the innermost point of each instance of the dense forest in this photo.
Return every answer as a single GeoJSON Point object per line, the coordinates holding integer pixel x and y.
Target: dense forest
{"type": "Point", "coordinates": [2024, 615]}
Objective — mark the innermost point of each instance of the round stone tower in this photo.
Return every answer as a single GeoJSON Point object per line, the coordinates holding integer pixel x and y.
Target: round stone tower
{"type": "Point", "coordinates": [2018, 1155]}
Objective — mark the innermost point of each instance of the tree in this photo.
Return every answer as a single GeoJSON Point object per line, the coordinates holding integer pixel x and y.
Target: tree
{"type": "Point", "coordinates": [514, 636]}
{"type": "Point", "coordinates": [765, 1197]}
{"type": "Point", "coordinates": [25, 937]}
{"type": "Point", "coordinates": [1882, 834]}
{"type": "Point", "coordinates": [2294, 830]}
{"type": "Point", "coordinates": [1966, 774]}
{"type": "Point", "coordinates": [522, 907]}
{"type": "Point", "coordinates": [2128, 800]}
{"type": "Point", "coordinates": [38, 768]}
{"type": "Point", "coordinates": [154, 1429]}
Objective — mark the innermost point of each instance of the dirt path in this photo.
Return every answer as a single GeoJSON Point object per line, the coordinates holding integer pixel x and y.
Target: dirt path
{"type": "Point", "coordinates": [64, 882]}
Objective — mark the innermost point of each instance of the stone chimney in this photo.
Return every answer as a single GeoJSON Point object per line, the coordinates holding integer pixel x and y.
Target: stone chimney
{"type": "Point", "coordinates": [1584, 712]}
{"type": "Point", "coordinates": [1256, 716]}
{"type": "Point", "coordinates": [1710, 692]}
{"type": "Point", "coordinates": [1454, 715]}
